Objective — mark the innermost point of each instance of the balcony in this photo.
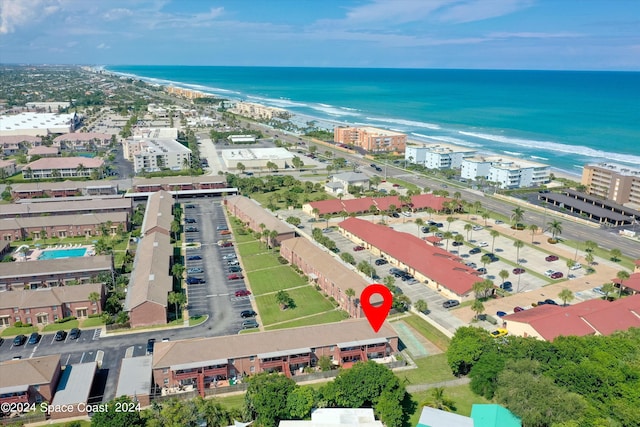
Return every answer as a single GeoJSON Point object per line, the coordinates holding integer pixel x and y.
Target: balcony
{"type": "Point", "coordinates": [351, 352]}
{"type": "Point", "coordinates": [183, 375]}
{"type": "Point", "coordinates": [216, 371]}
{"type": "Point", "coordinates": [273, 363]}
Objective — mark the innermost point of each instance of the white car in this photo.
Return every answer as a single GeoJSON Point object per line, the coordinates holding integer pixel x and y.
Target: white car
{"type": "Point", "coordinates": [478, 228]}
{"type": "Point", "coordinates": [483, 244]}
{"type": "Point", "coordinates": [548, 273]}
{"type": "Point", "coordinates": [407, 214]}
{"type": "Point", "coordinates": [577, 267]}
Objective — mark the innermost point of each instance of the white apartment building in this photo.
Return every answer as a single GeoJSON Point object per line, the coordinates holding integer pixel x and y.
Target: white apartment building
{"type": "Point", "coordinates": [155, 149]}
{"type": "Point", "coordinates": [438, 156]}
{"type": "Point", "coordinates": [507, 173]}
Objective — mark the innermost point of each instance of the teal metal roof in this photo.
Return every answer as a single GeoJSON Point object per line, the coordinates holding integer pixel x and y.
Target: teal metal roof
{"type": "Point", "coordinates": [491, 415]}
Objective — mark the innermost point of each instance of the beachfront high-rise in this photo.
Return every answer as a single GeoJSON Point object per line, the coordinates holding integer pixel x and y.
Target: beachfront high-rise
{"type": "Point", "coordinates": [156, 149]}
{"type": "Point", "coordinates": [613, 181]}
{"type": "Point", "coordinates": [371, 139]}
{"type": "Point", "coordinates": [508, 173]}
{"type": "Point", "coordinates": [438, 156]}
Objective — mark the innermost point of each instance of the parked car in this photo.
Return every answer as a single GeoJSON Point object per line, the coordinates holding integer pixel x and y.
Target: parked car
{"type": "Point", "coordinates": [194, 270]}
{"type": "Point", "coordinates": [518, 270]}
{"type": "Point", "coordinates": [190, 206]}
{"type": "Point", "coordinates": [194, 280]}
{"type": "Point", "coordinates": [478, 228]}
{"type": "Point", "coordinates": [499, 222]}
{"type": "Point", "coordinates": [194, 258]}
{"type": "Point", "coordinates": [548, 273]}
{"type": "Point", "coordinates": [550, 301]}
{"type": "Point", "coordinates": [499, 333]}
{"type": "Point", "coordinates": [472, 265]}
{"type": "Point", "coordinates": [243, 293]}
{"type": "Point", "coordinates": [150, 344]}
{"type": "Point", "coordinates": [225, 232]}
{"type": "Point", "coordinates": [551, 258]}
{"type": "Point", "coordinates": [483, 244]}
{"type": "Point", "coordinates": [507, 286]}
{"type": "Point", "coordinates": [235, 269]}
{"type": "Point", "coordinates": [454, 243]}
{"type": "Point", "coordinates": [191, 229]}
{"type": "Point", "coordinates": [34, 338]}
{"type": "Point", "coordinates": [222, 227]}
{"type": "Point", "coordinates": [227, 244]}
{"type": "Point", "coordinates": [557, 275]}
{"type": "Point", "coordinates": [235, 276]}
{"type": "Point", "coordinates": [474, 251]}
{"type": "Point", "coordinates": [60, 336]}
{"type": "Point", "coordinates": [450, 303]}
{"type": "Point", "coordinates": [424, 229]}
{"type": "Point", "coordinates": [229, 256]}
{"type": "Point", "coordinates": [598, 290]}
{"type": "Point", "coordinates": [394, 215]}
{"type": "Point", "coordinates": [19, 340]}
{"type": "Point", "coordinates": [500, 313]}
{"type": "Point", "coordinates": [190, 221]}
{"type": "Point", "coordinates": [248, 313]}
{"type": "Point", "coordinates": [74, 334]}
{"type": "Point", "coordinates": [576, 267]}
{"type": "Point", "coordinates": [482, 270]}
{"type": "Point", "coordinates": [233, 262]}
{"type": "Point", "coordinates": [249, 324]}
{"type": "Point", "coordinates": [358, 248]}
{"type": "Point", "coordinates": [517, 309]}
{"type": "Point", "coordinates": [381, 261]}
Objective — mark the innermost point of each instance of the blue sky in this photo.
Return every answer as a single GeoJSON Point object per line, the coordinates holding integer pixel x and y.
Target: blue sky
{"type": "Point", "coordinates": [504, 34]}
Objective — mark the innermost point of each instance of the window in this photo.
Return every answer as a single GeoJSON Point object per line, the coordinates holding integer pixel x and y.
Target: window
{"type": "Point", "coordinates": [252, 358]}
{"type": "Point", "coordinates": [252, 369]}
{"type": "Point", "coordinates": [166, 381]}
{"type": "Point", "coordinates": [55, 317]}
{"type": "Point", "coordinates": [15, 309]}
{"type": "Point", "coordinates": [27, 311]}
{"type": "Point", "coordinates": [165, 371]}
{"type": "Point", "coordinates": [54, 308]}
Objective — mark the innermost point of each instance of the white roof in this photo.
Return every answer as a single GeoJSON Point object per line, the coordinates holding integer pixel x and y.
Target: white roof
{"type": "Point", "coordinates": [135, 376]}
{"type": "Point", "coordinates": [338, 417]}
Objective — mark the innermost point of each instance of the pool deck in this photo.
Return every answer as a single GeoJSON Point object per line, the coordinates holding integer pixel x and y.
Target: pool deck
{"type": "Point", "coordinates": [34, 253]}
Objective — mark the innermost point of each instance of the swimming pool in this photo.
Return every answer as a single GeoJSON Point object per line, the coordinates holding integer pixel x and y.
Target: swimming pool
{"type": "Point", "coordinates": [62, 253]}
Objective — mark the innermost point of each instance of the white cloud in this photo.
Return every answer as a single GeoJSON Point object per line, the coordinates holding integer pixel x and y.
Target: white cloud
{"type": "Point", "coordinates": [17, 13]}
{"type": "Point", "coordinates": [478, 10]}
{"type": "Point", "coordinates": [533, 35]}
{"type": "Point", "coordinates": [118, 13]}
{"type": "Point", "coordinates": [103, 46]}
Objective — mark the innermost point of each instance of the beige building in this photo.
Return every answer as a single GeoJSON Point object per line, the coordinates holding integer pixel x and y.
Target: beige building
{"type": "Point", "coordinates": [257, 111]}
{"type": "Point", "coordinates": [253, 215]}
{"type": "Point", "coordinates": [615, 182]}
{"type": "Point", "coordinates": [372, 139]}
{"type": "Point", "coordinates": [155, 149]}
{"type": "Point", "coordinates": [29, 380]}
{"type": "Point", "coordinates": [7, 168]}
{"type": "Point", "coordinates": [62, 226]}
{"type": "Point", "coordinates": [64, 189]}
{"type": "Point", "coordinates": [257, 158]}
{"type": "Point", "coordinates": [62, 167]}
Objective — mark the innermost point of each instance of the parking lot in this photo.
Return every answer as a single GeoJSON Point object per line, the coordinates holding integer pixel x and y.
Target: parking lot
{"type": "Point", "coordinates": [215, 284]}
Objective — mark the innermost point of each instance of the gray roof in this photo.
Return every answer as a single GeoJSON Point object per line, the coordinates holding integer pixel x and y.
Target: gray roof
{"type": "Point", "coordinates": [201, 350]}
{"type": "Point", "coordinates": [175, 180]}
{"type": "Point", "coordinates": [34, 371]}
{"type": "Point", "coordinates": [75, 384]}
{"type": "Point", "coordinates": [90, 219]}
{"type": "Point", "coordinates": [585, 207]}
{"type": "Point", "coordinates": [150, 279]}
{"type": "Point", "coordinates": [260, 215]}
{"type": "Point", "coordinates": [350, 177]}
{"type": "Point", "coordinates": [135, 376]}
{"type": "Point", "coordinates": [47, 297]}
{"type": "Point", "coordinates": [68, 206]}
{"type": "Point", "coordinates": [158, 213]}
{"type": "Point", "coordinates": [11, 270]}
{"type": "Point", "coordinates": [69, 185]}
{"type": "Point", "coordinates": [431, 417]}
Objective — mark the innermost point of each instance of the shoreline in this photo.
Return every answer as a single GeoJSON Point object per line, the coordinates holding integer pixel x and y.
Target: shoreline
{"type": "Point", "coordinates": [328, 124]}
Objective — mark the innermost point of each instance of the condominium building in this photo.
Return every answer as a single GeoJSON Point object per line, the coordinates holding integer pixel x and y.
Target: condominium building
{"type": "Point", "coordinates": [156, 149]}
{"type": "Point", "coordinates": [257, 111]}
{"type": "Point", "coordinates": [371, 139]}
{"type": "Point", "coordinates": [438, 156]}
{"type": "Point", "coordinates": [505, 172]}
{"type": "Point", "coordinates": [83, 141]}
{"type": "Point", "coordinates": [62, 167]}
{"type": "Point", "coordinates": [29, 380]}
{"type": "Point", "coordinates": [38, 190]}
{"type": "Point", "coordinates": [611, 181]}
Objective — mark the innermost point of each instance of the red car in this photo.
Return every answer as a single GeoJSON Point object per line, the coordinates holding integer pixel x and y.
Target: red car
{"type": "Point", "coordinates": [557, 275]}
{"type": "Point", "coordinates": [235, 277]}
{"type": "Point", "coordinates": [358, 248]}
{"type": "Point", "coordinates": [224, 232]}
{"type": "Point", "coordinates": [551, 258]}
{"type": "Point", "coordinates": [517, 309]}
{"type": "Point", "coordinates": [243, 293]}
{"type": "Point", "coordinates": [226, 244]}
{"type": "Point", "coordinates": [518, 270]}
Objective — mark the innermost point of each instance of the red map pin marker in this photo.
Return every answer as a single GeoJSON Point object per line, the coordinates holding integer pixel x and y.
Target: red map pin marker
{"type": "Point", "coordinates": [376, 314]}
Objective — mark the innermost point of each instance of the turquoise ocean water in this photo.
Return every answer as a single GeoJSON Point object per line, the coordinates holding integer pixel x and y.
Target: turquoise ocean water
{"type": "Point", "coordinates": [562, 118]}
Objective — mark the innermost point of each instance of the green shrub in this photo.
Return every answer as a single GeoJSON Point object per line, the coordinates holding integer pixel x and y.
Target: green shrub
{"type": "Point", "coordinates": [282, 260]}
{"type": "Point", "coordinates": [66, 319]}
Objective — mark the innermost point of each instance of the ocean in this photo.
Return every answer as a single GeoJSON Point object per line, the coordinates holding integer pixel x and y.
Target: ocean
{"type": "Point", "coordinates": [562, 118]}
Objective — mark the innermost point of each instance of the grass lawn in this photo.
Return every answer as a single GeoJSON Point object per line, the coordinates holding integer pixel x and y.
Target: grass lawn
{"type": "Point", "coordinates": [274, 279]}
{"type": "Point", "coordinates": [250, 248]}
{"type": "Point", "coordinates": [92, 322]}
{"type": "Point", "coordinates": [428, 331]}
{"type": "Point", "coordinates": [308, 301]}
{"type": "Point", "coordinates": [462, 395]}
{"type": "Point", "coordinates": [233, 401]}
{"type": "Point", "coordinates": [328, 317]}
{"type": "Point", "coordinates": [249, 331]}
{"type": "Point", "coordinates": [405, 184]}
{"type": "Point", "coordinates": [263, 198]}
{"type": "Point", "coordinates": [13, 331]}
{"type": "Point", "coordinates": [242, 238]}
{"type": "Point", "coordinates": [255, 262]}
{"type": "Point", "coordinates": [61, 326]}
{"type": "Point", "coordinates": [431, 369]}
{"type": "Point", "coordinates": [193, 321]}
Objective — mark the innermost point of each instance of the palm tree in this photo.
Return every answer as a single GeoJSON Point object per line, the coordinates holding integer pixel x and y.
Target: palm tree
{"type": "Point", "coordinates": [458, 239]}
{"type": "Point", "coordinates": [517, 215]}
{"type": "Point", "coordinates": [450, 219]}
{"type": "Point", "coordinates": [622, 275]}
{"type": "Point", "coordinates": [485, 259]}
{"type": "Point", "coordinates": [420, 223]}
{"type": "Point", "coordinates": [590, 246]}
{"type": "Point", "coordinates": [241, 167]}
{"type": "Point", "coordinates": [518, 244]}
{"type": "Point", "coordinates": [273, 235]}
{"type": "Point", "coordinates": [94, 297]}
{"type": "Point", "coordinates": [570, 263]}
{"type": "Point", "coordinates": [438, 400]}
{"type": "Point", "coordinates": [493, 234]}
{"type": "Point", "coordinates": [485, 216]}
{"type": "Point", "coordinates": [615, 255]}
{"type": "Point", "coordinates": [315, 212]}
{"type": "Point", "coordinates": [80, 169]}
{"type": "Point", "coordinates": [433, 229]}
{"type": "Point", "coordinates": [589, 258]}
{"type": "Point", "coordinates": [566, 295]}
{"type": "Point", "coordinates": [533, 228]}
{"type": "Point", "coordinates": [503, 275]}
{"type": "Point", "coordinates": [477, 206]}
{"type": "Point", "coordinates": [477, 307]}
{"type": "Point", "coordinates": [469, 229]}
{"type": "Point", "coordinates": [555, 227]}
{"type": "Point", "coordinates": [447, 236]}
{"type": "Point", "coordinates": [607, 288]}
{"type": "Point", "coordinates": [178, 299]}
{"type": "Point", "coordinates": [421, 306]}
{"type": "Point", "coordinates": [177, 270]}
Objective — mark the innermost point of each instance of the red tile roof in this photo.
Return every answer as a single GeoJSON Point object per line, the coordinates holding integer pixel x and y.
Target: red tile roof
{"type": "Point", "coordinates": [65, 163]}
{"type": "Point", "coordinates": [362, 204]}
{"type": "Point", "coordinates": [433, 262]}
{"type": "Point", "coordinates": [585, 318]}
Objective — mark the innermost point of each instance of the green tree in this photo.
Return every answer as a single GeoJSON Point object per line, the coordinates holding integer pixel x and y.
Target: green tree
{"type": "Point", "coordinates": [485, 259]}
{"type": "Point", "coordinates": [284, 300]}
{"type": "Point", "coordinates": [241, 167]}
{"type": "Point", "coordinates": [94, 297]}
{"type": "Point", "coordinates": [608, 288]}
{"type": "Point", "coordinates": [450, 220]}
{"type": "Point", "coordinates": [178, 299]}
{"type": "Point", "coordinates": [484, 374]}
{"type": "Point", "coordinates": [469, 229]}
{"type": "Point", "coordinates": [113, 418]}
{"type": "Point", "coordinates": [504, 274]}
{"type": "Point", "coordinates": [555, 227]}
{"type": "Point", "coordinates": [266, 398]}
{"type": "Point", "coordinates": [177, 270]}
{"type": "Point", "coordinates": [348, 258]}
{"type": "Point", "coordinates": [324, 363]}
{"type": "Point", "coordinates": [566, 295]}
{"type": "Point", "coordinates": [616, 254]}
{"type": "Point", "coordinates": [300, 402]}
{"type": "Point", "coordinates": [517, 215]}
{"type": "Point", "coordinates": [518, 244]}
{"type": "Point", "coordinates": [294, 220]}
{"type": "Point", "coordinates": [447, 235]}
{"type": "Point", "coordinates": [477, 307]}
{"type": "Point", "coordinates": [485, 216]}
{"type": "Point", "coordinates": [421, 306]}
{"type": "Point", "coordinates": [438, 399]}
{"type": "Point", "coordinates": [493, 234]}
{"type": "Point", "coordinates": [621, 275]}
{"type": "Point", "coordinates": [465, 349]}
{"type": "Point", "coordinates": [534, 229]}
{"type": "Point", "coordinates": [389, 282]}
